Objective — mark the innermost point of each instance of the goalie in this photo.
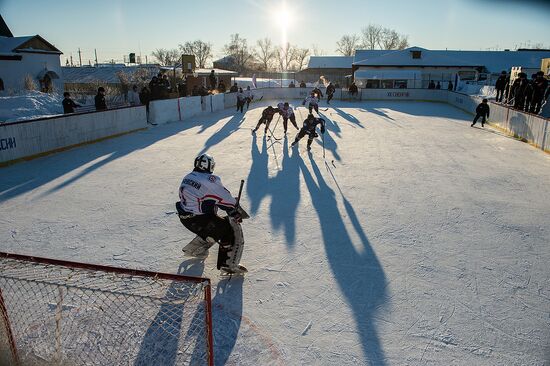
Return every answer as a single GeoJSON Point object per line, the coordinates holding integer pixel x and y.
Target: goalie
{"type": "Point", "coordinates": [201, 195]}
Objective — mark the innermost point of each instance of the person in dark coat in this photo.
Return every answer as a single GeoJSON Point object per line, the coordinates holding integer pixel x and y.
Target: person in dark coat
{"type": "Point", "coordinates": [145, 97]}
{"type": "Point", "coordinates": [450, 86]}
{"type": "Point", "coordinates": [529, 93]}
{"type": "Point", "coordinates": [431, 85]}
{"type": "Point", "coordinates": [234, 88]}
{"type": "Point", "coordinates": [353, 91]}
{"type": "Point", "coordinates": [212, 78]}
{"type": "Point", "coordinates": [540, 86]}
{"type": "Point", "coordinates": [100, 104]}
{"type": "Point", "coordinates": [302, 84]}
{"type": "Point", "coordinates": [291, 85]}
{"type": "Point", "coordinates": [482, 111]}
{"type": "Point", "coordinates": [519, 91]}
{"type": "Point", "coordinates": [221, 87]}
{"type": "Point", "coordinates": [330, 92]}
{"type": "Point", "coordinates": [182, 88]}
{"type": "Point", "coordinates": [68, 104]}
{"type": "Point", "coordinates": [438, 86]}
{"type": "Point", "coordinates": [154, 88]}
{"type": "Point", "coordinates": [500, 86]}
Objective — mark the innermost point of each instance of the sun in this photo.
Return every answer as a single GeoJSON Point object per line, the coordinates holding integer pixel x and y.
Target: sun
{"type": "Point", "coordinates": [283, 18]}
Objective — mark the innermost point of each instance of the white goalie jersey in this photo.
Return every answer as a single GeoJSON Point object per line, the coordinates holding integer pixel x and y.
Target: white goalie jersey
{"type": "Point", "coordinates": [202, 193]}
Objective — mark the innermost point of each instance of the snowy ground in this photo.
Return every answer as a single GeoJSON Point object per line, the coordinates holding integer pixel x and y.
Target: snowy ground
{"type": "Point", "coordinates": [420, 241]}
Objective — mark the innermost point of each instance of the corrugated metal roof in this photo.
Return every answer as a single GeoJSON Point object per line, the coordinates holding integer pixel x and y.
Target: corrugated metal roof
{"type": "Point", "coordinates": [361, 55]}
{"type": "Point", "coordinates": [494, 61]}
{"type": "Point", "coordinates": [404, 58]}
{"type": "Point", "coordinates": [100, 74]}
{"type": "Point", "coordinates": [330, 62]}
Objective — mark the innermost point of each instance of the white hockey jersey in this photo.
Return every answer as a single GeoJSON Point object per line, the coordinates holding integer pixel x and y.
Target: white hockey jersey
{"type": "Point", "coordinates": [248, 94]}
{"type": "Point", "coordinates": [202, 193]}
{"type": "Point", "coordinates": [285, 113]}
{"type": "Point", "coordinates": [311, 100]}
{"type": "Point", "coordinates": [240, 96]}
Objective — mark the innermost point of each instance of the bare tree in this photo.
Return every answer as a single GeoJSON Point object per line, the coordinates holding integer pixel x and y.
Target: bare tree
{"type": "Point", "coordinates": [201, 50]}
{"type": "Point", "coordinates": [347, 45]}
{"type": "Point", "coordinates": [166, 57]}
{"type": "Point", "coordinates": [371, 36]}
{"type": "Point", "coordinates": [317, 51]}
{"type": "Point", "coordinates": [239, 51]}
{"type": "Point", "coordinates": [265, 53]}
{"type": "Point", "coordinates": [403, 43]}
{"type": "Point", "coordinates": [301, 58]}
{"type": "Point", "coordinates": [285, 55]}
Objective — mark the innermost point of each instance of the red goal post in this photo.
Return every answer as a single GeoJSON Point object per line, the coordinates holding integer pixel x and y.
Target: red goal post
{"type": "Point", "coordinates": [55, 312]}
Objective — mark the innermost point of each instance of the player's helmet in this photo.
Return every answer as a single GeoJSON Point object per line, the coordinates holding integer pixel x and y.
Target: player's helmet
{"type": "Point", "coordinates": [285, 105]}
{"type": "Point", "coordinates": [205, 163]}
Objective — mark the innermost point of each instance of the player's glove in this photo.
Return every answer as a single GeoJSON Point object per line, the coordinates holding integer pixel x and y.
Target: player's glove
{"type": "Point", "coordinates": [235, 215]}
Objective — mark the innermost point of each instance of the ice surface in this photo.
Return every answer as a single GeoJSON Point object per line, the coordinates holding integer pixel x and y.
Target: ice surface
{"type": "Point", "coordinates": [421, 241]}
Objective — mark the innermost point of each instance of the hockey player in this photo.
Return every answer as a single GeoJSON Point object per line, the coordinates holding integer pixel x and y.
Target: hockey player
{"type": "Point", "coordinates": [318, 93]}
{"type": "Point", "coordinates": [330, 92]}
{"type": "Point", "coordinates": [312, 102]}
{"type": "Point", "coordinates": [201, 195]}
{"type": "Point", "coordinates": [241, 99]}
{"type": "Point", "coordinates": [286, 111]}
{"type": "Point", "coordinates": [267, 117]}
{"type": "Point", "coordinates": [248, 96]}
{"type": "Point", "coordinates": [482, 111]}
{"type": "Point", "coordinates": [309, 129]}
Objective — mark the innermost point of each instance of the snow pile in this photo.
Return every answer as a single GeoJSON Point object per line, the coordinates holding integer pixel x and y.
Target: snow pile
{"type": "Point", "coordinates": [481, 90]}
{"type": "Point", "coordinates": [29, 105]}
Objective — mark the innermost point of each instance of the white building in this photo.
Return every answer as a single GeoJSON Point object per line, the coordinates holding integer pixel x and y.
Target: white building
{"type": "Point", "coordinates": [415, 67]}
{"type": "Point", "coordinates": [30, 56]}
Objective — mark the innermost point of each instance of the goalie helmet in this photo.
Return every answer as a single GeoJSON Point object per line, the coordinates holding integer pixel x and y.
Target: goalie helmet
{"type": "Point", "coordinates": [205, 163]}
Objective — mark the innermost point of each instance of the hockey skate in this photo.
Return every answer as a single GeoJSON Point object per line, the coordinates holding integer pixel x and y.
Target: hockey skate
{"type": "Point", "coordinates": [230, 270]}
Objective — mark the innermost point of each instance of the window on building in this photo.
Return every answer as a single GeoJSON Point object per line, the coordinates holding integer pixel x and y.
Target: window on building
{"type": "Point", "coordinates": [416, 54]}
{"type": "Point", "coordinates": [387, 84]}
{"type": "Point", "coordinates": [373, 84]}
{"type": "Point", "coordinates": [400, 84]}
{"type": "Point", "coordinates": [1, 84]}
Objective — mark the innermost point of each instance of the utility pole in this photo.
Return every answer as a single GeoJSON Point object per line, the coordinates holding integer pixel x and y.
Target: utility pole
{"type": "Point", "coordinates": [146, 63]}
{"type": "Point", "coordinates": [72, 60]}
{"type": "Point", "coordinates": [95, 51]}
{"type": "Point", "coordinates": [80, 57]}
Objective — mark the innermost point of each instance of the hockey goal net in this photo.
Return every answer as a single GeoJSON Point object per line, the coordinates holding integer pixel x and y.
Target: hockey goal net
{"type": "Point", "coordinates": [55, 312]}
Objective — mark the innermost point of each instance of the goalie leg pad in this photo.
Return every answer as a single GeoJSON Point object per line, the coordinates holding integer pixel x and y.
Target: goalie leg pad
{"type": "Point", "coordinates": [230, 253]}
{"type": "Point", "coordinates": [198, 247]}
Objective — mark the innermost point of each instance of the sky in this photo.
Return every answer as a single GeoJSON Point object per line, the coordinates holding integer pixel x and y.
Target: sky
{"type": "Point", "coordinates": [117, 27]}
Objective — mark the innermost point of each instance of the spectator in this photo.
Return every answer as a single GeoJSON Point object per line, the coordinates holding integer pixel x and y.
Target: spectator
{"type": "Point", "coordinates": [221, 87]}
{"type": "Point", "coordinates": [203, 91]}
{"type": "Point", "coordinates": [302, 84]}
{"type": "Point", "coordinates": [145, 97]}
{"type": "Point", "coordinates": [195, 91]}
{"type": "Point", "coordinates": [500, 86]}
{"type": "Point", "coordinates": [482, 111]}
{"type": "Point", "coordinates": [165, 87]}
{"type": "Point", "coordinates": [68, 104]}
{"type": "Point", "coordinates": [133, 96]}
{"type": "Point", "coordinates": [540, 86]}
{"type": "Point", "coordinates": [100, 104]}
{"type": "Point", "coordinates": [431, 85]}
{"type": "Point", "coordinates": [353, 90]}
{"type": "Point", "coordinates": [212, 78]}
{"type": "Point", "coordinates": [241, 100]}
{"type": "Point", "coordinates": [519, 91]}
{"type": "Point", "coordinates": [291, 85]}
{"type": "Point", "coordinates": [154, 88]}
{"type": "Point", "coordinates": [438, 86]}
{"type": "Point", "coordinates": [450, 86]}
{"type": "Point", "coordinates": [529, 92]}
{"type": "Point", "coordinates": [234, 88]}
{"type": "Point", "coordinates": [182, 88]}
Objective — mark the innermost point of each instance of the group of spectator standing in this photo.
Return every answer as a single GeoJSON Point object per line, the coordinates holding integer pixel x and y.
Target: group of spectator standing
{"type": "Point", "coordinates": [523, 94]}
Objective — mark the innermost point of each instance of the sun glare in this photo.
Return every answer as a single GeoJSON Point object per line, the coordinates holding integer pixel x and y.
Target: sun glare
{"type": "Point", "coordinates": [283, 19]}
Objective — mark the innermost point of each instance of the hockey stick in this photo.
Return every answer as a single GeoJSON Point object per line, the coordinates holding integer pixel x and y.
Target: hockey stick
{"type": "Point", "coordinates": [240, 192]}
{"type": "Point", "coordinates": [270, 130]}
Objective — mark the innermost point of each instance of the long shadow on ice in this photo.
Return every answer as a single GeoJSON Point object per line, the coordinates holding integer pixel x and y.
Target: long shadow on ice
{"type": "Point", "coordinates": [284, 187]}
{"type": "Point", "coordinates": [224, 132]}
{"type": "Point", "coordinates": [347, 116]}
{"type": "Point", "coordinates": [227, 311]}
{"type": "Point", "coordinates": [27, 176]}
{"type": "Point", "coordinates": [358, 272]}
{"type": "Point", "coordinates": [161, 342]}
